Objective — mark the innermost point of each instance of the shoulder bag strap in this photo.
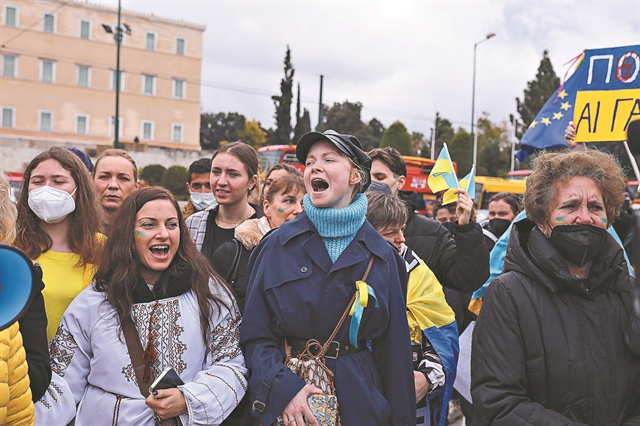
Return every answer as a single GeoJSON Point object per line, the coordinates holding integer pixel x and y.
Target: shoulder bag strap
{"type": "Point", "coordinates": [134, 346]}
{"type": "Point", "coordinates": [346, 312]}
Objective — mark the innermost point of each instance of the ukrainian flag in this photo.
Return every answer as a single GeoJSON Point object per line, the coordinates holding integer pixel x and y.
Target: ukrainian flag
{"type": "Point", "coordinates": [443, 176]}
{"type": "Point", "coordinates": [468, 183]}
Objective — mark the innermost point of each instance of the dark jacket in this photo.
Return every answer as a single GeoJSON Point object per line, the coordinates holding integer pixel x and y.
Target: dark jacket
{"type": "Point", "coordinates": [461, 264]}
{"type": "Point", "coordinates": [548, 347]}
{"type": "Point", "coordinates": [33, 327]}
{"type": "Point", "coordinates": [231, 258]}
{"type": "Point", "coordinates": [296, 291]}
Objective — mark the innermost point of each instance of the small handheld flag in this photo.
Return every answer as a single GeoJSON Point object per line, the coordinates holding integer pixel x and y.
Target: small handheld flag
{"type": "Point", "coordinates": [443, 175]}
{"type": "Point", "coordinates": [468, 183]}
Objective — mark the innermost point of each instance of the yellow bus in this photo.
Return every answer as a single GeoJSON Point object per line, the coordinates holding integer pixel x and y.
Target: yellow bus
{"type": "Point", "coordinates": [488, 186]}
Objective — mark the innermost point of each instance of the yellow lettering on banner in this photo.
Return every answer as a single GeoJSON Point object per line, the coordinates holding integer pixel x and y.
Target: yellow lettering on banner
{"type": "Point", "coordinates": [603, 115]}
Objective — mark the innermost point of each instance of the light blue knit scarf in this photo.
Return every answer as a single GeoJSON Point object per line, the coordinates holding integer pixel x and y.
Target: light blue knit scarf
{"type": "Point", "coordinates": [337, 227]}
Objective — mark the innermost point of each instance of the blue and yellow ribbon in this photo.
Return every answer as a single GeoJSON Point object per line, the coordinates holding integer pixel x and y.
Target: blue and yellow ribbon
{"type": "Point", "coordinates": [363, 290]}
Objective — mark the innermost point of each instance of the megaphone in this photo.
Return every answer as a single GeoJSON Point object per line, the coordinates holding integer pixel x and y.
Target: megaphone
{"type": "Point", "coordinates": [16, 284]}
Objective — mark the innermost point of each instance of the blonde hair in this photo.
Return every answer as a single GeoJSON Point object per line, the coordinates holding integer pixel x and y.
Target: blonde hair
{"type": "Point", "coordinates": [8, 212]}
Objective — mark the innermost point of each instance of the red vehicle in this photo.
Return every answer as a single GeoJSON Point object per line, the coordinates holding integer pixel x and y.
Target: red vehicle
{"type": "Point", "coordinates": [418, 170]}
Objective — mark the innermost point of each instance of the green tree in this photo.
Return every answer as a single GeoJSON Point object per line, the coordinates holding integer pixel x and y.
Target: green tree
{"type": "Point", "coordinates": [215, 128]}
{"type": "Point", "coordinates": [398, 137]}
{"type": "Point", "coordinates": [346, 118]}
{"type": "Point", "coordinates": [494, 148]}
{"type": "Point", "coordinates": [303, 121]}
{"type": "Point", "coordinates": [459, 151]}
{"type": "Point", "coordinates": [282, 134]}
{"type": "Point", "coordinates": [253, 134]}
{"type": "Point", "coordinates": [536, 94]}
{"type": "Point", "coordinates": [153, 174]}
{"type": "Point", "coordinates": [174, 180]}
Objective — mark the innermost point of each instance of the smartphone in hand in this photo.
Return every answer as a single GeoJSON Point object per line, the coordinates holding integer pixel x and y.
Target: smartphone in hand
{"type": "Point", "coordinates": [166, 380]}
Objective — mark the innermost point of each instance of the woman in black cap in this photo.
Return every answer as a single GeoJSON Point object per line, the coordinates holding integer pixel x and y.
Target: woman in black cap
{"type": "Point", "coordinates": [330, 251]}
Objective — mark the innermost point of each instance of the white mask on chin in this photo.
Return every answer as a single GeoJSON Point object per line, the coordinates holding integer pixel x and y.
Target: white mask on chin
{"type": "Point", "coordinates": [50, 204]}
{"type": "Point", "coordinates": [203, 200]}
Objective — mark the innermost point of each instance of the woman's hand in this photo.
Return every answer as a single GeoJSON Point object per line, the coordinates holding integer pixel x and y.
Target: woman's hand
{"type": "Point", "coordinates": [167, 403]}
{"type": "Point", "coordinates": [298, 407]}
{"type": "Point", "coordinates": [465, 205]}
{"type": "Point", "coordinates": [422, 385]}
{"type": "Point", "coordinates": [570, 134]}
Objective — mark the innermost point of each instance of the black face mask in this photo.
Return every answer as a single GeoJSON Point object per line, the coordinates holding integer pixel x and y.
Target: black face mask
{"type": "Point", "coordinates": [579, 244]}
{"type": "Point", "coordinates": [499, 226]}
{"type": "Point", "coordinates": [449, 226]}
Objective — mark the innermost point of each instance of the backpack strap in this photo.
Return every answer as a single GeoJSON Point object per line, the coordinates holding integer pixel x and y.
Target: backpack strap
{"type": "Point", "coordinates": [232, 276]}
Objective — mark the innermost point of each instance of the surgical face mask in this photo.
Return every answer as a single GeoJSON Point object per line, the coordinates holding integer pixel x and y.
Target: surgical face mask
{"type": "Point", "coordinates": [579, 244]}
{"type": "Point", "coordinates": [50, 204]}
{"type": "Point", "coordinates": [499, 226]}
{"type": "Point", "coordinates": [202, 200]}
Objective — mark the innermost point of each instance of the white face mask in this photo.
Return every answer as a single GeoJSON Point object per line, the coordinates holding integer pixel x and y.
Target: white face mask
{"type": "Point", "coordinates": [50, 204]}
{"type": "Point", "coordinates": [203, 200]}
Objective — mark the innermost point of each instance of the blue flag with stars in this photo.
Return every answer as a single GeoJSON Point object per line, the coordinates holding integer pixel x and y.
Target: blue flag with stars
{"type": "Point", "coordinates": [547, 128]}
{"type": "Point", "coordinates": [601, 97]}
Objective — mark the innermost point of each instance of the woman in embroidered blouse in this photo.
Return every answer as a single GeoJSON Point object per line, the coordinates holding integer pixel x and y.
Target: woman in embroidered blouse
{"type": "Point", "coordinates": [184, 315]}
{"type": "Point", "coordinates": [327, 249]}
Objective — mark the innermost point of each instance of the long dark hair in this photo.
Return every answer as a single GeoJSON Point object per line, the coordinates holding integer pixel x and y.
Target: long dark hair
{"type": "Point", "coordinates": [85, 224]}
{"type": "Point", "coordinates": [118, 272]}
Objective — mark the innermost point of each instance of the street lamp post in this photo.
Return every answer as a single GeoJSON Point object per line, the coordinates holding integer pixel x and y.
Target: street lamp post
{"type": "Point", "coordinates": [118, 37]}
{"type": "Point", "coordinates": [474, 139]}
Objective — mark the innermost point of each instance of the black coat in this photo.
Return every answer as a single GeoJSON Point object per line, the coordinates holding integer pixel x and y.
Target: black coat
{"type": "Point", "coordinates": [33, 327]}
{"type": "Point", "coordinates": [549, 348]}
{"type": "Point", "coordinates": [461, 264]}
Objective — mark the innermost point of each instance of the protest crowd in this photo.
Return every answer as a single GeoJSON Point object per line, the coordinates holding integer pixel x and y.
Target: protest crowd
{"type": "Point", "coordinates": [322, 297]}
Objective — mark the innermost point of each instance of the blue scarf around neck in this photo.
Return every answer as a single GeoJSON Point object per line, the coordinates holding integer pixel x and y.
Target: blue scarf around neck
{"type": "Point", "coordinates": [337, 227]}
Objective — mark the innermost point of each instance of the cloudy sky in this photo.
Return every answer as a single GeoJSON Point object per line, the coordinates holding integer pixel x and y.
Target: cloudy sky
{"type": "Point", "coordinates": [402, 60]}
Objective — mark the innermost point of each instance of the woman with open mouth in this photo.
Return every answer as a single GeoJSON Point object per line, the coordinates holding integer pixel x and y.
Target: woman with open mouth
{"type": "Point", "coordinates": [303, 276]}
{"type": "Point", "coordinates": [156, 304]}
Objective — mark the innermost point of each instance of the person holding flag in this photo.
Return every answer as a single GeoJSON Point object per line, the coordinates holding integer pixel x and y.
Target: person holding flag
{"type": "Point", "coordinates": [460, 263]}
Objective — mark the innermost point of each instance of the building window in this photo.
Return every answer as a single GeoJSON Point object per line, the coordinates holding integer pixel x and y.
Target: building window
{"type": "Point", "coordinates": [112, 126]}
{"type": "Point", "coordinates": [147, 130]}
{"type": "Point", "coordinates": [112, 83]}
{"type": "Point", "coordinates": [85, 29]}
{"type": "Point", "coordinates": [176, 134]}
{"type": "Point", "coordinates": [9, 66]}
{"type": "Point", "coordinates": [178, 89]}
{"type": "Point", "coordinates": [82, 124]}
{"type": "Point", "coordinates": [49, 23]}
{"type": "Point", "coordinates": [83, 76]}
{"type": "Point", "coordinates": [47, 71]}
{"type": "Point", "coordinates": [45, 121]}
{"type": "Point", "coordinates": [179, 46]}
{"type": "Point", "coordinates": [150, 40]}
{"type": "Point", "coordinates": [8, 116]}
{"type": "Point", "coordinates": [148, 84]}
{"type": "Point", "coordinates": [10, 16]}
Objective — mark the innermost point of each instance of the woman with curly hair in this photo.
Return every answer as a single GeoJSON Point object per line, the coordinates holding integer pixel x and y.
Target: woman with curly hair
{"type": "Point", "coordinates": [153, 285]}
{"type": "Point", "coordinates": [554, 343]}
{"type": "Point", "coordinates": [58, 227]}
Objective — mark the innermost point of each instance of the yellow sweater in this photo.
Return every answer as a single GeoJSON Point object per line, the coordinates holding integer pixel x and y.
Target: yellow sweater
{"type": "Point", "coordinates": [63, 281]}
{"type": "Point", "coordinates": [16, 407]}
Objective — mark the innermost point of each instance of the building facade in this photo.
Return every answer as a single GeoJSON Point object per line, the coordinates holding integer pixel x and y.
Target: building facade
{"type": "Point", "coordinates": [58, 75]}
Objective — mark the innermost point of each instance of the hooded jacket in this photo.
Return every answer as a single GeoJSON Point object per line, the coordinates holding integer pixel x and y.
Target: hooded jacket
{"type": "Point", "coordinates": [550, 348]}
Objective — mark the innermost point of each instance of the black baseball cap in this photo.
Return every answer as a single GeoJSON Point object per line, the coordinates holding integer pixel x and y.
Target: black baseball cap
{"type": "Point", "coordinates": [347, 144]}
